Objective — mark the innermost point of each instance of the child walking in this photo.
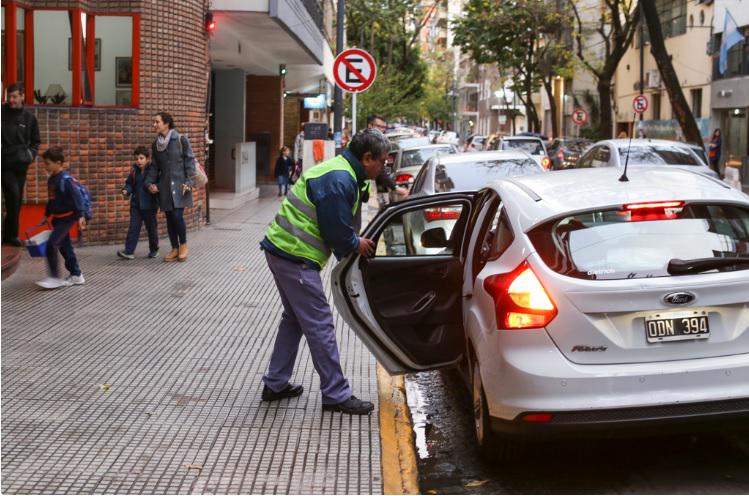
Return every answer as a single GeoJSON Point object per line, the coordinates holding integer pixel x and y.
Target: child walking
{"type": "Point", "coordinates": [284, 165]}
{"type": "Point", "coordinates": [65, 208]}
{"type": "Point", "coordinates": [143, 206]}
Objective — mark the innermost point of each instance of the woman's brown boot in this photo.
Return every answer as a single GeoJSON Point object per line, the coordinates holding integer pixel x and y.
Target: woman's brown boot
{"type": "Point", "coordinates": [182, 256]}
{"type": "Point", "coordinates": [172, 257]}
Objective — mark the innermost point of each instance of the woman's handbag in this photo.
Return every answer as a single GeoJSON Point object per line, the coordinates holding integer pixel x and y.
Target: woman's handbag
{"type": "Point", "coordinates": [200, 179]}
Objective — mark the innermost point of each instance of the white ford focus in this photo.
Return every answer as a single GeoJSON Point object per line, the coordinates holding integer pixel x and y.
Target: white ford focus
{"type": "Point", "coordinates": [575, 301]}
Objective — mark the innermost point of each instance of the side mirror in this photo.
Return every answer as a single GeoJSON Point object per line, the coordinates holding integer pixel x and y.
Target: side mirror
{"type": "Point", "coordinates": [434, 238]}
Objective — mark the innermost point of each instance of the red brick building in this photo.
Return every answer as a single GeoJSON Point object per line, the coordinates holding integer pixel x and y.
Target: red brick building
{"type": "Point", "coordinates": [97, 99]}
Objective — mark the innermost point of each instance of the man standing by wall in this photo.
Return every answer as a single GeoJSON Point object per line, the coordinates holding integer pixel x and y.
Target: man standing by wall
{"type": "Point", "coordinates": [315, 220]}
{"type": "Point", "coordinates": [20, 143]}
{"type": "Point", "coordinates": [385, 183]}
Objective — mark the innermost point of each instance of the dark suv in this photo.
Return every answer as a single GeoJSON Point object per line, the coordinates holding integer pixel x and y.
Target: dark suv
{"type": "Point", "coordinates": [564, 152]}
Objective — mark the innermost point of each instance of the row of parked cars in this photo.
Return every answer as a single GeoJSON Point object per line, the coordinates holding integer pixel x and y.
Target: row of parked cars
{"type": "Point", "coordinates": [573, 302]}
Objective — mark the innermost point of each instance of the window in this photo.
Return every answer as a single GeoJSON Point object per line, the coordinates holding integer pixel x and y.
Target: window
{"type": "Point", "coordinates": [738, 56]}
{"type": "Point", "coordinates": [656, 106]}
{"type": "Point", "coordinates": [72, 57]}
{"type": "Point", "coordinates": [673, 16]}
{"type": "Point", "coordinates": [697, 102]}
{"type": "Point", "coordinates": [417, 232]}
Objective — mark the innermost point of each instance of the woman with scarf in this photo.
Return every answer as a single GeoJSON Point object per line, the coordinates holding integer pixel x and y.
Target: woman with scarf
{"type": "Point", "coordinates": [172, 178]}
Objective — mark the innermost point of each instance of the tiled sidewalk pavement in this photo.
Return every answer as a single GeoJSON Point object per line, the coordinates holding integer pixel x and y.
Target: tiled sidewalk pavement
{"type": "Point", "coordinates": [147, 379]}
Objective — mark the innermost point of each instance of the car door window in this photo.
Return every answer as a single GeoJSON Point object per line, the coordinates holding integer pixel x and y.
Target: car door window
{"type": "Point", "coordinates": [600, 157]}
{"type": "Point", "coordinates": [587, 159]}
{"type": "Point", "coordinates": [419, 181]}
{"type": "Point", "coordinates": [419, 232]}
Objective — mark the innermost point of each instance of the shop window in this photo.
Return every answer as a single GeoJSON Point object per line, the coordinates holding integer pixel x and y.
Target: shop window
{"type": "Point", "coordinates": [76, 57]}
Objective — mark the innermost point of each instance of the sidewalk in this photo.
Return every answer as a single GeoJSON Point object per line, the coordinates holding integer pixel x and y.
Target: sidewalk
{"type": "Point", "coordinates": [147, 378]}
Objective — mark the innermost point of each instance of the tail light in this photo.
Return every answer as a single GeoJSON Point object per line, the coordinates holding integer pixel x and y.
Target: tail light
{"type": "Point", "coordinates": [520, 300]}
{"type": "Point", "coordinates": [665, 210]}
{"type": "Point", "coordinates": [404, 178]}
{"type": "Point", "coordinates": [560, 155]}
{"type": "Point", "coordinates": [432, 214]}
{"type": "Point", "coordinates": [546, 163]}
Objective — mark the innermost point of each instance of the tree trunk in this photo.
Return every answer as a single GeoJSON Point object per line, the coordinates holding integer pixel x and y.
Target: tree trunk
{"type": "Point", "coordinates": [606, 122]}
{"type": "Point", "coordinates": [552, 107]}
{"type": "Point", "coordinates": [675, 94]}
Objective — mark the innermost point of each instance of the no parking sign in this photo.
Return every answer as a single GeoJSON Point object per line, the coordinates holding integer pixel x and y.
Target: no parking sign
{"type": "Point", "coordinates": [640, 104]}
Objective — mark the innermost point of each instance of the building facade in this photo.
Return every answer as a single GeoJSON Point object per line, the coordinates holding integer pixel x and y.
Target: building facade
{"type": "Point", "coordinates": [95, 73]}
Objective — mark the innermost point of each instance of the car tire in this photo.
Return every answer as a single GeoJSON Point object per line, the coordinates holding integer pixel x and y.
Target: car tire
{"type": "Point", "coordinates": [491, 446]}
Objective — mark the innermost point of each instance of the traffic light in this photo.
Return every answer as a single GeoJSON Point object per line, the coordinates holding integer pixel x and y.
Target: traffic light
{"type": "Point", "coordinates": [282, 70]}
{"type": "Point", "coordinates": [210, 24]}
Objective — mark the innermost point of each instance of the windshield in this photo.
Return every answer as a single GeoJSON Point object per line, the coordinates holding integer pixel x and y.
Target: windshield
{"type": "Point", "coordinates": [470, 176]}
{"type": "Point", "coordinates": [658, 155]}
{"type": "Point", "coordinates": [532, 146]}
{"type": "Point", "coordinates": [634, 244]}
{"type": "Point", "coordinates": [413, 158]}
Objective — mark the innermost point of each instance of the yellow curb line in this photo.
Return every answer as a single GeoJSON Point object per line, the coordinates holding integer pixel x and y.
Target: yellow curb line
{"type": "Point", "coordinates": [399, 472]}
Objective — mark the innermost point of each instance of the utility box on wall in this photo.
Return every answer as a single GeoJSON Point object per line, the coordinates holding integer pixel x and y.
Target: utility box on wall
{"type": "Point", "coordinates": [244, 167]}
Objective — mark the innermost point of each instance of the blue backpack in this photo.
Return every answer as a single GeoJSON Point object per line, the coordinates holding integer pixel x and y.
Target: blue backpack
{"type": "Point", "coordinates": [88, 212]}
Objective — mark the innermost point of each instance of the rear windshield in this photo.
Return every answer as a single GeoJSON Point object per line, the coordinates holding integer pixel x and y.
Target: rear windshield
{"type": "Point", "coordinates": [532, 146]}
{"type": "Point", "coordinates": [634, 244]}
{"type": "Point", "coordinates": [659, 155]}
{"type": "Point", "coordinates": [575, 146]}
{"type": "Point", "coordinates": [418, 157]}
{"type": "Point", "coordinates": [470, 176]}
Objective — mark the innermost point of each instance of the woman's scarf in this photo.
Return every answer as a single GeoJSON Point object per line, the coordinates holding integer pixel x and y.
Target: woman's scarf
{"type": "Point", "coordinates": [163, 141]}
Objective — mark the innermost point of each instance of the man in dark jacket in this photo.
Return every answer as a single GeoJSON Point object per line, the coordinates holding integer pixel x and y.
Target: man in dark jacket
{"type": "Point", "coordinates": [20, 142]}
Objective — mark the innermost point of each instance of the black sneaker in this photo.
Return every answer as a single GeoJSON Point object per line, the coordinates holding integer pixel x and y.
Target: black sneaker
{"type": "Point", "coordinates": [352, 406]}
{"type": "Point", "coordinates": [126, 256]}
{"type": "Point", "coordinates": [13, 242]}
{"type": "Point", "coordinates": [291, 391]}
{"type": "Point", "coordinates": [154, 253]}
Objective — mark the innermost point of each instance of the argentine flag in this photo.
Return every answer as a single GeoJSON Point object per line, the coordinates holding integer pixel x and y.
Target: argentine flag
{"type": "Point", "coordinates": [731, 36]}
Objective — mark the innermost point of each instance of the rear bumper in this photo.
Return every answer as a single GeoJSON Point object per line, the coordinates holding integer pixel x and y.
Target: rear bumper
{"type": "Point", "coordinates": [661, 419]}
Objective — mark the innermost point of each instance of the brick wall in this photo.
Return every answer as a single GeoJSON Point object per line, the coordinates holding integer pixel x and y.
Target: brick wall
{"type": "Point", "coordinates": [99, 142]}
{"type": "Point", "coordinates": [265, 115]}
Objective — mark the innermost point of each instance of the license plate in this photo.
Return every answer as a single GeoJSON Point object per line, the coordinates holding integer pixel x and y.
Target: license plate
{"type": "Point", "coordinates": [677, 326]}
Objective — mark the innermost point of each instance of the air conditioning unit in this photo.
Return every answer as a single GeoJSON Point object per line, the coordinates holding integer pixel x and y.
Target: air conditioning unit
{"type": "Point", "coordinates": [653, 79]}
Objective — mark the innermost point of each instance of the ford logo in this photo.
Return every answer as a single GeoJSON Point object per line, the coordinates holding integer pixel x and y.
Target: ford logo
{"type": "Point", "coordinates": [681, 298]}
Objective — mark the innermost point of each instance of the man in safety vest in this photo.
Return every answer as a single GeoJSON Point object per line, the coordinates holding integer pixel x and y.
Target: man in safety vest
{"type": "Point", "coordinates": [315, 220]}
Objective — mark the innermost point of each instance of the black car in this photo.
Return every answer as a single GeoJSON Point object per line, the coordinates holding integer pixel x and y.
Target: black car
{"type": "Point", "coordinates": [564, 152]}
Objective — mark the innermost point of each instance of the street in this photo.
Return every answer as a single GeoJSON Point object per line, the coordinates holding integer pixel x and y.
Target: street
{"type": "Point", "coordinates": [449, 463]}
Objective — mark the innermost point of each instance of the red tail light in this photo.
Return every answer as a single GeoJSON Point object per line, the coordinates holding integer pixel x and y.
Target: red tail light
{"type": "Point", "coordinates": [537, 418]}
{"type": "Point", "coordinates": [546, 163]}
{"type": "Point", "coordinates": [654, 205]}
{"type": "Point", "coordinates": [560, 155]}
{"type": "Point", "coordinates": [520, 300]}
{"type": "Point", "coordinates": [637, 212]}
{"type": "Point", "coordinates": [404, 178]}
{"type": "Point", "coordinates": [432, 214]}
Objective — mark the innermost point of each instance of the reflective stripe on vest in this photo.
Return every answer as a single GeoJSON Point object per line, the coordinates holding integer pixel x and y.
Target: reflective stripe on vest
{"type": "Point", "coordinates": [295, 230]}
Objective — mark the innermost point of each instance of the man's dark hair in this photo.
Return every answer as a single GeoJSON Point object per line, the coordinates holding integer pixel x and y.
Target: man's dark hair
{"type": "Point", "coordinates": [142, 150]}
{"type": "Point", "coordinates": [15, 87]}
{"type": "Point", "coordinates": [54, 154]}
{"type": "Point", "coordinates": [166, 118]}
{"type": "Point", "coordinates": [369, 140]}
{"type": "Point", "coordinates": [373, 117]}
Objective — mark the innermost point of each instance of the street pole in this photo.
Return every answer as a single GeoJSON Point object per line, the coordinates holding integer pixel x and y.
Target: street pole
{"type": "Point", "coordinates": [338, 105]}
{"type": "Point", "coordinates": [642, 62]}
{"type": "Point", "coordinates": [353, 113]}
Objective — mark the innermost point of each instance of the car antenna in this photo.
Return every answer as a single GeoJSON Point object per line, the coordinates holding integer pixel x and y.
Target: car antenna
{"type": "Point", "coordinates": [624, 178]}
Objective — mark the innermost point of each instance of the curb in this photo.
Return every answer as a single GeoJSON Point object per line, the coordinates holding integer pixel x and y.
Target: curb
{"type": "Point", "coordinates": [398, 456]}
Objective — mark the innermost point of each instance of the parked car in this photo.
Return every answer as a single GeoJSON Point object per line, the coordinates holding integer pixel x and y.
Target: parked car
{"type": "Point", "coordinates": [534, 146]}
{"type": "Point", "coordinates": [448, 137]}
{"type": "Point", "coordinates": [408, 160]}
{"type": "Point", "coordinates": [564, 152]}
{"type": "Point", "coordinates": [576, 304]}
{"type": "Point", "coordinates": [474, 143]}
{"type": "Point", "coordinates": [644, 152]}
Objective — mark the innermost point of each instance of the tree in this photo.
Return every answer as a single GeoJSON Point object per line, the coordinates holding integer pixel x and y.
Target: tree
{"type": "Point", "coordinates": [520, 36]}
{"type": "Point", "coordinates": [616, 27]}
{"type": "Point", "coordinates": [658, 48]}
{"type": "Point", "coordinates": [435, 106]}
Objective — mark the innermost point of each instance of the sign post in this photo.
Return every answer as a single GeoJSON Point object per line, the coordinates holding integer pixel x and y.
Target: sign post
{"type": "Point", "coordinates": [354, 71]}
{"type": "Point", "coordinates": [640, 104]}
{"type": "Point", "coordinates": [580, 118]}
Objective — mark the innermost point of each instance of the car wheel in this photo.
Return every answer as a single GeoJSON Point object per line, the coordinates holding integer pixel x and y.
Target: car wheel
{"type": "Point", "coordinates": [491, 447]}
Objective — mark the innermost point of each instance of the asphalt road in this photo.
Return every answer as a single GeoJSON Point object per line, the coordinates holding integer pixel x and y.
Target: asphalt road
{"type": "Point", "coordinates": [448, 461]}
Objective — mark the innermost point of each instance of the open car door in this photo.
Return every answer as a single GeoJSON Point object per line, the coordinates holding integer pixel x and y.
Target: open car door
{"type": "Point", "coordinates": [405, 303]}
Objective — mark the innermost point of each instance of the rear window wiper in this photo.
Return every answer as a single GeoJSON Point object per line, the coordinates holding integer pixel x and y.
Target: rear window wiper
{"type": "Point", "coordinates": [677, 266]}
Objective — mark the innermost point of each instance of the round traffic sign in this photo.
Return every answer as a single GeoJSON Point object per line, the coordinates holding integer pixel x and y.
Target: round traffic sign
{"type": "Point", "coordinates": [640, 104]}
{"type": "Point", "coordinates": [579, 116]}
{"type": "Point", "coordinates": [354, 70]}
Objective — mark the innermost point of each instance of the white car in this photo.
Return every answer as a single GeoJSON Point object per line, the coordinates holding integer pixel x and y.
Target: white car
{"type": "Point", "coordinates": [644, 153]}
{"type": "Point", "coordinates": [533, 146]}
{"type": "Point", "coordinates": [576, 303]}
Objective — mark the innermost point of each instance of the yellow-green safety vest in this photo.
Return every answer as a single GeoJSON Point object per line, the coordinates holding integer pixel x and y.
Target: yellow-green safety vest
{"type": "Point", "coordinates": [294, 229]}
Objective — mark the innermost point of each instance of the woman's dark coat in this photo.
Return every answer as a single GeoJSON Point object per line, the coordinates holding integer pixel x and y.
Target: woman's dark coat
{"type": "Point", "coordinates": [172, 170]}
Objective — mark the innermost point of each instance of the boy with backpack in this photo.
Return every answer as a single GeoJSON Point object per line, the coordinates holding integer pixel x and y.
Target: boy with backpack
{"type": "Point", "coordinates": [143, 206]}
{"type": "Point", "coordinates": [68, 204]}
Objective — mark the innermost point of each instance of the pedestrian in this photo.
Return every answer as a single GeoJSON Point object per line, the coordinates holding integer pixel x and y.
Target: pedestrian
{"type": "Point", "coordinates": [20, 145]}
{"type": "Point", "coordinates": [65, 208]}
{"type": "Point", "coordinates": [299, 148]}
{"type": "Point", "coordinates": [172, 178]}
{"type": "Point", "coordinates": [284, 167]}
{"type": "Point", "coordinates": [143, 206]}
{"type": "Point", "coordinates": [384, 182]}
{"type": "Point", "coordinates": [714, 149]}
{"type": "Point", "coordinates": [622, 135]}
{"type": "Point", "coordinates": [314, 221]}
